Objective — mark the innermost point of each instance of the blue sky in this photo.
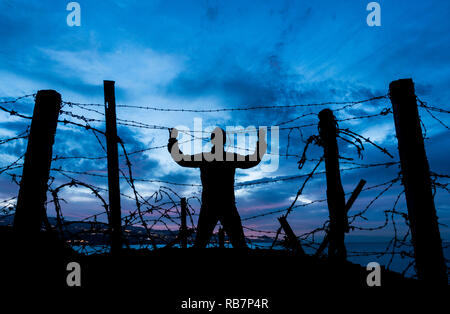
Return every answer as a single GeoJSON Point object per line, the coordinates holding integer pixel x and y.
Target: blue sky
{"type": "Point", "coordinates": [223, 54]}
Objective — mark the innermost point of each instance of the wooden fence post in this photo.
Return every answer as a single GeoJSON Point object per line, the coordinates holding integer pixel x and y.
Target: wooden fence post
{"type": "Point", "coordinates": [426, 239]}
{"type": "Point", "coordinates": [292, 238]}
{"type": "Point", "coordinates": [183, 227]}
{"type": "Point", "coordinates": [30, 209]}
{"type": "Point", "coordinates": [221, 238]}
{"type": "Point", "coordinates": [348, 205]}
{"type": "Point", "coordinates": [335, 192]}
{"type": "Point", "coordinates": [354, 195]}
{"type": "Point", "coordinates": [113, 167]}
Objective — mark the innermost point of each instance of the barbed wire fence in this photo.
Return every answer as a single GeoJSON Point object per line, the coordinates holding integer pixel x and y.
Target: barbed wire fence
{"type": "Point", "coordinates": [154, 219]}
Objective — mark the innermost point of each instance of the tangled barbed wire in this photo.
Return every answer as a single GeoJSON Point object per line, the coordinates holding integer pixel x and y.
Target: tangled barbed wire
{"type": "Point", "coordinates": [153, 218]}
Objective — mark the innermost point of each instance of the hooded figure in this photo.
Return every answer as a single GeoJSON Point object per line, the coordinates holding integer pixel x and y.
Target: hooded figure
{"type": "Point", "coordinates": [217, 170]}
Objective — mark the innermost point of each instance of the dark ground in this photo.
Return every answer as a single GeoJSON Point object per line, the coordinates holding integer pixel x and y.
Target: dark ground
{"type": "Point", "coordinates": [163, 279]}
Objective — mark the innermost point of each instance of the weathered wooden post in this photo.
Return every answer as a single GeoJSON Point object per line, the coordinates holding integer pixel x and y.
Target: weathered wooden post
{"type": "Point", "coordinates": [292, 238]}
{"type": "Point", "coordinates": [348, 205]}
{"type": "Point", "coordinates": [183, 227]}
{"type": "Point", "coordinates": [426, 239]}
{"type": "Point", "coordinates": [335, 192]}
{"type": "Point", "coordinates": [113, 167]}
{"type": "Point", "coordinates": [30, 209]}
{"type": "Point", "coordinates": [354, 195]}
{"type": "Point", "coordinates": [221, 238]}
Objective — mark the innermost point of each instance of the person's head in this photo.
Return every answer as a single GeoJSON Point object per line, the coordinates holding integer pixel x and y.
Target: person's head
{"type": "Point", "coordinates": [218, 137]}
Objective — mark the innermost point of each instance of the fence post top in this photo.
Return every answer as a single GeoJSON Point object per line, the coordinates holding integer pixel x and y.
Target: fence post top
{"type": "Point", "coordinates": [48, 92]}
{"type": "Point", "coordinates": [401, 83]}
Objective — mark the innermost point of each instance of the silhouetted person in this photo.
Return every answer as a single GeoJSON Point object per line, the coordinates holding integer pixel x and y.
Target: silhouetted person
{"type": "Point", "coordinates": [217, 170]}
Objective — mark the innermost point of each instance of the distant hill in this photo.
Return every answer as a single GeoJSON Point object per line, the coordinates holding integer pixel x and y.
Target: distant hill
{"type": "Point", "coordinates": [96, 233]}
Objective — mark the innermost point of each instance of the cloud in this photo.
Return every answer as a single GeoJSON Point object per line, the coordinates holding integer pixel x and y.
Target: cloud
{"type": "Point", "coordinates": [380, 133]}
{"type": "Point", "coordinates": [197, 56]}
{"type": "Point", "coordinates": [135, 68]}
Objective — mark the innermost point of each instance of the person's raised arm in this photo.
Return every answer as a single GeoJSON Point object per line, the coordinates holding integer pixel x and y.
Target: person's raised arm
{"type": "Point", "coordinates": [177, 155]}
{"type": "Point", "coordinates": [254, 159]}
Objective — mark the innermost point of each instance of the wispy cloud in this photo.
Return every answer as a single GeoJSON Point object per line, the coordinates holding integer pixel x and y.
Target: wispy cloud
{"type": "Point", "coordinates": [227, 54]}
